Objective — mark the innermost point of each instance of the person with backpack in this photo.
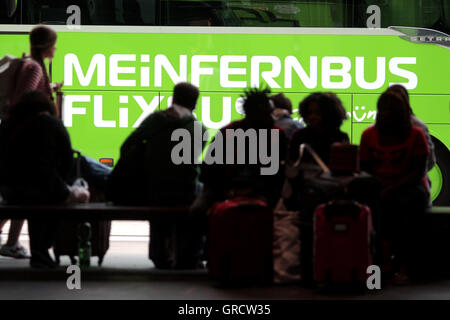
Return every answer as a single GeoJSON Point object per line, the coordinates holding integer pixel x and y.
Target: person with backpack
{"type": "Point", "coordinates": [149, 172]}
{"type": "Point", "coordinates": [396, 152]}
{"type": "Point", "coordinates": [31, 75]}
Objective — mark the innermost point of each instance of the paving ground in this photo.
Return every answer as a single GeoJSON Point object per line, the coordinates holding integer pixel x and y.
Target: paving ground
{"type": "Point", "coordinates": [128, 274]}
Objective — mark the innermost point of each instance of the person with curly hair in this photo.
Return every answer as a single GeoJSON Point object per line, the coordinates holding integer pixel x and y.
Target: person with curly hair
{"type": "Point", "coordinates": [323, 114]}
{"type": "Point", "coordinates": [226, 180]}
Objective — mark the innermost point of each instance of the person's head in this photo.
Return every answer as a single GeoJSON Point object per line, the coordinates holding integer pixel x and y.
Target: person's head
{"type": "Point", "coordinates": [280, 101]}
{"type": "Point", "coordinates": [393, 114]}
{"type": "Point", "coordinates": [322, 111]}
{"type": "Point", "coordinates": [258, 108]}
{"type": "Point", "coordinates": [42, 43]}
{"type": "Point", "coordinates": [186, 95]}
{"type": "Point", "coordinates": [32, 103]}
{"type": "Point", "coordinates": [402, 91]}
{"type": "Point", "coordinates": [42, 46]}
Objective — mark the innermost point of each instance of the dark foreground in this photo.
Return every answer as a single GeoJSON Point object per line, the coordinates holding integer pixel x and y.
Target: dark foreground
{"type": "Point", "coordinates": [127, 274]}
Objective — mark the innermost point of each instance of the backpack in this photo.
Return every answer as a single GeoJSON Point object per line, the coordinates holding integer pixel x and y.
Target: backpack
{"type": "Point", "coordinates": [128, 182]}
{"type": "Point", "coordinates": [9, 72]}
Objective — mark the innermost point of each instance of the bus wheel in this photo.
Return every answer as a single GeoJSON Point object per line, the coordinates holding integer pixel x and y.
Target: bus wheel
{"type": "Point", "coordinates": [440, 175]}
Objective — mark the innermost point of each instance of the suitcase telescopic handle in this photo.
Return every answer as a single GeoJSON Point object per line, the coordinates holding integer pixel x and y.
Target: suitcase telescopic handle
{"type": "Point", "coordinates": [319, 161]}
{"type": "Point", "coordinates": [342, 208]}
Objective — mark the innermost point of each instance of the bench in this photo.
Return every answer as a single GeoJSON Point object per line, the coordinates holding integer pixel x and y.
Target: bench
{"type": "Point", "coordinates": [90, 211]}
{"type": "Point", "coordinates": [95, 211]}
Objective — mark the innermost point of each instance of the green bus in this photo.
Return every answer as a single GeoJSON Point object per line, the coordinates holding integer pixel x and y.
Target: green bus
{"type": "Point", "coordinates": [119, 60]}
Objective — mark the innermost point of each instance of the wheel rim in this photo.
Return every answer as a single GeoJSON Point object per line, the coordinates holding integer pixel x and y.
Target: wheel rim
{"type": "Point", "coordinates": [435, 175]}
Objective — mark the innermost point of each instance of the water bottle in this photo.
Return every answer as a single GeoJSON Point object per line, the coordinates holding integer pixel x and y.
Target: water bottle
{"type": "Point", "coordinates": [84, 245]}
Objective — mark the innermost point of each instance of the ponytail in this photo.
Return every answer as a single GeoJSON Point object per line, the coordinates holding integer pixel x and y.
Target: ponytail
{"type": "Point", "coordinates": [42, 38]}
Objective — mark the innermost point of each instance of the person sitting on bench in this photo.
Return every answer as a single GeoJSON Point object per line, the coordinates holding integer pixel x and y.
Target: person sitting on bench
{"type": "Point", "coordinates": [36, 159]}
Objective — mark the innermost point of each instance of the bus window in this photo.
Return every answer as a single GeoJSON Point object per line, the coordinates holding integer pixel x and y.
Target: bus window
{"type": "Point", "coordinates": [431, 14]}
{"type": "Point", "coordinates": [321, 13]}
{"type": "Point", "coordinates": [92, 12]}
{"type": "Point", "coordinates": [135, 12]}
{"type": "Point", "coordinates": [197, 13]}
{"type": "Point", "coordinates": [292, 13]}
{"type": "Point", "coordinates": [8, 11]}
{"type": "Point", "coordinates": [446, 17]}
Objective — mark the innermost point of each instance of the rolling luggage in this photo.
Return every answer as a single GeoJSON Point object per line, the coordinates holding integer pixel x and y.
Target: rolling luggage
{"type": "Point", "coordinates": [313, 184]}
{"type": "Point", "coordinates": [342, 242]}
{"type": "Point", "coordinates": [240, 239]}
{"type": "Point", "coordinates": [66, 243]}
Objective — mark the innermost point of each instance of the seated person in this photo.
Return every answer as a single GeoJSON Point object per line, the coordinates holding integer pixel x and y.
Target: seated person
{"type": "Point", "coordinates": [282, 115]}
{"type": "Point", "coordinates": [162, 182]}
{"type": "Point", "coordinates": [431, 160]}
{"type": "Point", "coordinates": [396, 152]}
{"type": "Point", "coordinates": [36, 160]}
{"type": "Point", "coordinates": [226, 180]}
{"type": "Point", "coordinates": [323, 114]}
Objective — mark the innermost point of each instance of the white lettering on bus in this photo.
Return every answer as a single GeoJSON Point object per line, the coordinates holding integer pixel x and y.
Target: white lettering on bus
{"type": "Point", "coordinates": [291, 62]}
{"type": "Point", "coordinates": [161, 61]}
{"type": "Point", "coordinates": [226, 71]}
{"type": "Point", "coordinates": [411, 76]}
{"type": "Point", "coordinates": [268, 76]}
{"type": "Point", "coordinates": [343, 72]}
{"type": "Point", "coordinates": [336, 71]}
{"type": "Point", "coordinates": [206, 113]}
{"type": "Point", "coordinates": [98, 114]}
{"type": "Point", "coordinates": [68, 111]}
{"type": "Point", "coordinates": [147, 108]}
{"type": "Point", "coordinates": [115, 70]}
{"type": "Point", "coordinates": [381, 74]}
{"type": "Point", "coordinates": [71, 62]}
{"type": "Point", "coordinates": [197, 70]}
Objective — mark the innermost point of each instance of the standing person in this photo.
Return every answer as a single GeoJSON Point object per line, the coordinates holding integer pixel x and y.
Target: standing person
{"type": "Point", "coordinates": [282, 115]}
{"type": "Point", "coordinates": [396, 153]}
{"type": "Point", "coordinates": [163, 181]}
{"type": "Point", "coordinates": [32, 76]}
{"type": "Point", "coordinates": [33, 130]}
{"type": "Point", "coordinates": [323, 114]}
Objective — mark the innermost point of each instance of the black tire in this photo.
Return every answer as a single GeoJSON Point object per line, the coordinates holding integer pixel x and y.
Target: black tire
{"type": "Point", "coordinates": [443, 161]}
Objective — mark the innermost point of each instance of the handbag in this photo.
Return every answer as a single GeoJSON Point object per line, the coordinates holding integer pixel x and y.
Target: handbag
{"type": "Point", "coordinates": [287, 246]}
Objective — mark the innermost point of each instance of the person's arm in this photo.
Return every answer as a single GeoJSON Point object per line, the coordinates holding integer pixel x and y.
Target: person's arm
{"type": "Point", "coordinates": [418, 164]}
{"type": "Point", "coordinates": [414, 176]}
{"type": "Point", "coordinates": [365, 162]}
{"type": "Point", "coordinates": [294, 145]}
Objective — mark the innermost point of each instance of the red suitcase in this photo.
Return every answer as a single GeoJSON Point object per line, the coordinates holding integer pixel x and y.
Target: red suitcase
{"type": "Point", "coordinates": [342, 242]}
{"type": "Point", "coordinates": [240, 239]}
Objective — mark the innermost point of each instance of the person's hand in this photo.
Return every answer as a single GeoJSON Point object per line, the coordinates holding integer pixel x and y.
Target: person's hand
{"type": "Point", "coordinates": [78, 194]}
{"type": "Point", "coordinates": [57, 86]}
